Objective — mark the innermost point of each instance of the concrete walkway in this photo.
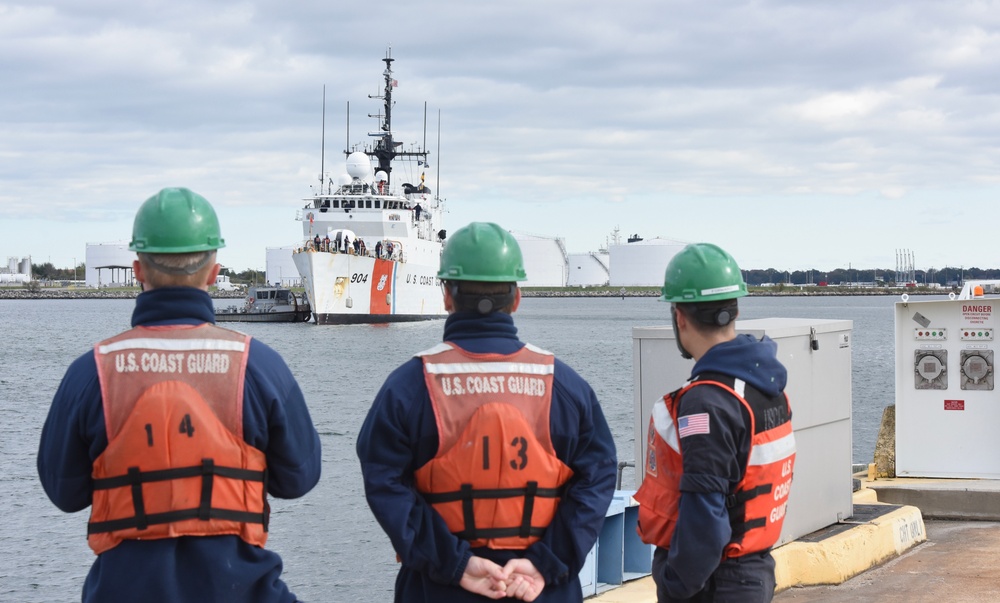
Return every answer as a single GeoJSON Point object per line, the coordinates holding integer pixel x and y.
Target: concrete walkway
{"type": "Point", "coordinates": [959, 562]}
{"type": "Point", "coordinates": [911, 540]}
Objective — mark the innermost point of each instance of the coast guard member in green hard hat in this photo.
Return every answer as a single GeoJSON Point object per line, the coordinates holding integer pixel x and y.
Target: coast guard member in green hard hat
{"type": "Point", "coordinates": [175, 431]}
{"type": "Point", "coordinates": [720, 449]}
{"type": "Point", "coordinates": [487, 461]}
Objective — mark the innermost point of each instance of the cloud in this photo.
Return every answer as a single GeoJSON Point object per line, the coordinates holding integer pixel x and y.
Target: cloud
{"type": "Point", "coordinates": [576, 115]}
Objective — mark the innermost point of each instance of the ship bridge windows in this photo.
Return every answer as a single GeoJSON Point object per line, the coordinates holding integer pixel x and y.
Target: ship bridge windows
{"type": "Point", "coordinates": [378, 204]}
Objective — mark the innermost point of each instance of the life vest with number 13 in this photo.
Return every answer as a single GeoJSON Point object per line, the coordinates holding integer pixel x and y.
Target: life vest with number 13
{"type": "Point", "coordinates": [496, 480]}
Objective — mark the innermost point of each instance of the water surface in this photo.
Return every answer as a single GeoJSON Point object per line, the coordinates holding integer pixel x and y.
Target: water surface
{"type": "Point", "coordinates": [332, 547]}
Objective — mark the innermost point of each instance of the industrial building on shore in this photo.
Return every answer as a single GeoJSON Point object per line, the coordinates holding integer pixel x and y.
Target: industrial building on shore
{"type": "Point", "coordinates": [16, 271]}
{"type": "Point", "coordinates": [109, 265]}
{"type": "Point", "coordinates": [633, 263]}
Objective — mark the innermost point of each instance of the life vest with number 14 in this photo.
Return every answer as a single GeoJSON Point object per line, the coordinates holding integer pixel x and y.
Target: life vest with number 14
{"type": "Point", "coordinates": [176, 463]}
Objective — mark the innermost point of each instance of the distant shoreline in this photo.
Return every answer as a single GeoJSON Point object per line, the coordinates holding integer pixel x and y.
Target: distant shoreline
{"type": "Point", "coordinates": [92, 294]}
{"type": "Point", "coordinates": [25, 294]}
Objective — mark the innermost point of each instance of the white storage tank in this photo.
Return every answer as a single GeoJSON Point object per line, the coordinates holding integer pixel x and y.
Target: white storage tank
{"type": "Point", "coordinates": [8, 278]}
{"type": "Point", "coordinates": [589, 269]}
{"type": "Point", "coordinates": [109, 264]}
{"type": "Point", "coordinates": [12, 267]}
{"type": "Point", "coordinates": [643, 262]}
{"type": "Point", "coordinates": [545, 260]}
{"type": "Point", "coordinates": [280, 269]}
{"type": "Point", "coordinates": [25, 266]}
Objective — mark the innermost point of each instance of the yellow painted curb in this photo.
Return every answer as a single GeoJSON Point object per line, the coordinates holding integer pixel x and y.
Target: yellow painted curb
{"type": "Point", "coordinates": [865, 496]}
{"type": "Point", "coordinates": [831, 561]}
{"type": "Point", "coordinates": [845, 555]}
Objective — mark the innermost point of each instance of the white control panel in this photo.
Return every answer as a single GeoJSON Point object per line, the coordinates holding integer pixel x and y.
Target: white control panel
{"type": "Point", "coordinates": [947, 407]}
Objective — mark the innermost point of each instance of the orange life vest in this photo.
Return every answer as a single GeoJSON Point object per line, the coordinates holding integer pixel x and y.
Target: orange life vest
{"type": "Point", "coordinates": [176, 463]}
{"type": "Point", "coordinates": [496, 480]}
{"type": "Point", "coordinates": [757, 504]}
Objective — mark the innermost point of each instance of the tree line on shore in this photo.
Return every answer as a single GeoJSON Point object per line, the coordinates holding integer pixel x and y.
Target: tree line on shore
{"type": "Point", "coordinates": [47, 272]}
{"type": "Point", "coordinates": [877, 277]}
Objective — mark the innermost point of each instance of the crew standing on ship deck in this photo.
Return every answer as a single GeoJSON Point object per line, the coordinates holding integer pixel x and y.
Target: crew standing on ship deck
{"type": "Point", "coordinates": [487, 461]}
{"type": "Point", "coordinates": [175, 431]}
{"type": "Point", "coordinates": [720, 450]}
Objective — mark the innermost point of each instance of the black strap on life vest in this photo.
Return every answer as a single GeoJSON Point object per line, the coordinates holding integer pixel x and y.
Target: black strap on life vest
{"type": "Point", "coordinates": [467, 495]}
{"type": "Point", "coordinates": [207, 471]}
{"type": "Point", "coordinates": [736, 503]}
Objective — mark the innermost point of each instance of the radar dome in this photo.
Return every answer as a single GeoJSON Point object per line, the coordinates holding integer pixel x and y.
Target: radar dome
{"type": "Point", "coordinates": [381, 176]}
{"type": "Point", "coordinates": [359, 166]}
{"type": "Point", "coordinates": [344, 180]}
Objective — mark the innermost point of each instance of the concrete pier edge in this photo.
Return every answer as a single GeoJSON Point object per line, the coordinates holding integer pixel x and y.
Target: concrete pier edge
{"type": "Point", "coordinates": [842, 556]}
{"type": "Point", "coordinates": [831, 559]}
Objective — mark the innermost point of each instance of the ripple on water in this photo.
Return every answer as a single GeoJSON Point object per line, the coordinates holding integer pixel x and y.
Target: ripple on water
{"type": "Point", "coordinates": [332, 547]}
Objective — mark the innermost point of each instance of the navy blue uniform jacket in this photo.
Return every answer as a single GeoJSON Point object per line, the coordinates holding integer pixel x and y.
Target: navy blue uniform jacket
{"type": "Point", "coordinates": [213, 568]}
{"type": "Point", "coordinates": [400, 435]}
{"type": "Point", "coordinates": [714, 462]}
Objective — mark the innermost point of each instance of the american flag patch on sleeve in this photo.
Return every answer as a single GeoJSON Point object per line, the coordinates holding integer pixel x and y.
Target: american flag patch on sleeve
{"type": "Point", "coordinates": [692, 424]}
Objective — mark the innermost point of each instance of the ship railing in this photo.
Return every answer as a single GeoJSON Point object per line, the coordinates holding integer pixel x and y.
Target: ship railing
{"type": "Point", "coordinates": [310, 245]}
{"type": "Point", "coordinates": [333, 247]}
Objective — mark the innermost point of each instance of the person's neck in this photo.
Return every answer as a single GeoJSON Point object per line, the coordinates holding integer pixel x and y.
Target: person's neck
{"type": "Point", "coordinates": [701, 343]}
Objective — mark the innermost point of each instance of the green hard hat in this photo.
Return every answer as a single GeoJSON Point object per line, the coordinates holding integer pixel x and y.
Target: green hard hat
{"type": "Point", "coordinates": [176, 220]}
{"type": "Point", "coordinates": [702, 272]}
{"type": "Point", "coordinates": [482, 251]}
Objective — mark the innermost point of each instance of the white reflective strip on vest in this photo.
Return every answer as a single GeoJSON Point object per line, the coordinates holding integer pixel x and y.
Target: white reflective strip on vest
{"type": "Point", "coordinates": [173, 345]}
{"type": "Point", "coordinates": [772, 452]}
{"type": "Point", "coordinates": [664, 425]}
{"type": "Point", "coordinates": [458, 368]}
{"type": "Point", "coordinates": [740, 387]}
{"type": "Point", "coordinates": [441, 347]}
{"type": "Point", "coordinates": [537, 349]}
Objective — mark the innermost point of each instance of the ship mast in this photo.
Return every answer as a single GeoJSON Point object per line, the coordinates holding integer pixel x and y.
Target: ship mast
{"type": "Point", "coordinates": [385, 149]}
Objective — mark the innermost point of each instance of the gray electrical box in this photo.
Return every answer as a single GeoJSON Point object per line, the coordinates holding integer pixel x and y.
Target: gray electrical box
{"type": "Point", "coordinates": [817, 354]}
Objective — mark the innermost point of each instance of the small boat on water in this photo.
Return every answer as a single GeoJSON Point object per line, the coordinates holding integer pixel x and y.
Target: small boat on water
{"type": "Point", "coordinates": [371, 250]}
{"type": "Point", "coordinates": [267, 304]}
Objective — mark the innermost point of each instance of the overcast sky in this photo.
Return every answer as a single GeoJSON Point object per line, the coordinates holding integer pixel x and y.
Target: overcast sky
{"type": "Point", "coordinates": [794, 134]}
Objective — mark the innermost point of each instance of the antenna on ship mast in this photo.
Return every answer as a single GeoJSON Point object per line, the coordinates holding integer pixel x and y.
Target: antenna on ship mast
{"type": "Point", "coordinates": [437, 181]}
{"type": "Point", "coordinates": [384, 151]}
{"type": "Point", "coordinates": [322, 144]}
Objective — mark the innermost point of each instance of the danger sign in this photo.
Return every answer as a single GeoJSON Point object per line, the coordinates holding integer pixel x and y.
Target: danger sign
{"type": "Point", "coordinates": [977, 314]}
